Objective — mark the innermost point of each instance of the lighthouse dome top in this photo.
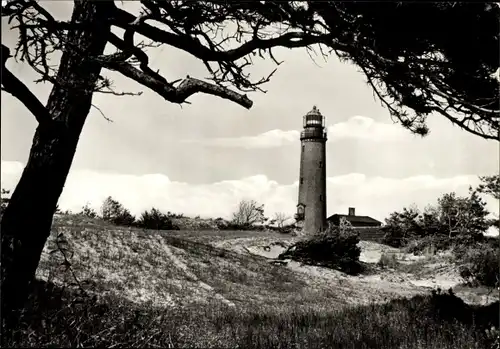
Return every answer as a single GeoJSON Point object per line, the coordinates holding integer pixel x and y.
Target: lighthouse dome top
{"type": "Point", "coordinates": [314, 118]}
{"type": "Point", "coordinates": [314, 111]}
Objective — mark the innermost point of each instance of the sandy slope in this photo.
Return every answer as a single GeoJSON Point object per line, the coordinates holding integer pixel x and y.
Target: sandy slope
{"type": "Point", "coordinates": [431, 272]}
{"type": "Point", "coordinates": [230, 268]}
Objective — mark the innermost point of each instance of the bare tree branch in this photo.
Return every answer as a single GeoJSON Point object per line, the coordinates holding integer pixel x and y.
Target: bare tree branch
{"type": "Point", "coordinates": [187, 87]}
{"type": "Point", "coordinates": [116, 93]}
{"type": "Point", "coordinates": [281, 218]}
{"type": "Point", "coordinates": [249, 212]}
{"type": "Point", "coordinates": [124, 19]}
{"type": "Point", "coordinates": [19, 90]}
{"type": "Point", "coordinates": [102, 113]}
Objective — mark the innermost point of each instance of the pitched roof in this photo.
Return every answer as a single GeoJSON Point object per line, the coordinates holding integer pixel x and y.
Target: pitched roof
{"type": "Point", "coordinates": [355, 219]}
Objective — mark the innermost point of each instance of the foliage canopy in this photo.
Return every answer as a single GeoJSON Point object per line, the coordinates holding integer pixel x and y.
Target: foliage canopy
{"type": "Point", "coordinates": [419, 58]}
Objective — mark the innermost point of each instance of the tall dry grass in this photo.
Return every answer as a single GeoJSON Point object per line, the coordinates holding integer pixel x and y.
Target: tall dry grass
{"type": "Point", "coordinates": [57, 318]}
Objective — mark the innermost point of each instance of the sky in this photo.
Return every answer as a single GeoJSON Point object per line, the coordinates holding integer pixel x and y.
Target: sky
{"type": "Point", "coordinates": [203, 158]}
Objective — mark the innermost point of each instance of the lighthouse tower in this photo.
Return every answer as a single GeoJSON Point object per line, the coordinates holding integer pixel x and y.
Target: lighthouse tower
{"type": "Point", "coordinates": [311, 208]}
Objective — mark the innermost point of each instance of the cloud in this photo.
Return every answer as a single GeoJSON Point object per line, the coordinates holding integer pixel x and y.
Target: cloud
{"type": "Point", "coordinates": [372, 196]}
{"type": "Point", "coordinates": [365, 128]}
{"type": "Point", "coordinates": [357, 127]}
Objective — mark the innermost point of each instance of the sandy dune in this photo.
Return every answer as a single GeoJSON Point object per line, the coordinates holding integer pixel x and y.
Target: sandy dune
{"type": "Point", "coordinates": [233, 269]}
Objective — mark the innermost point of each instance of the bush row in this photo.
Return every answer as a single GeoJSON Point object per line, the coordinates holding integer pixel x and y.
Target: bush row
{"type": "Point", "coordinates": [114, 212]}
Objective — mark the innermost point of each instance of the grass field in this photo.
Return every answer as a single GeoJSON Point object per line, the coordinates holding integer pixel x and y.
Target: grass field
{"type": "Point", "coordinates": [218, 289]}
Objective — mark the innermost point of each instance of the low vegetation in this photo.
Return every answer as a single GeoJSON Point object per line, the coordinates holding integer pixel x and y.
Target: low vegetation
{"type": "Point", "coordinates": [457, 224]}
{"type": "Point", "coordinates": [88, 211]}
{"type": "Point", "coordinates": [388, 261]}
{"type": "Point", "coordinates": [55, 317]}
{"type": "Point", "coordinates": [335, 248]}
{"type": "Point", "coordinates": [112, 211]}
{"type": "Point", "coordinates": [248, 216]}
{"type": "Point", "coordinates": [155, 219]}
{"type": "Point", "coordinates": [453, 219]}
{"type": "Point", "coordinates": [479, 264]}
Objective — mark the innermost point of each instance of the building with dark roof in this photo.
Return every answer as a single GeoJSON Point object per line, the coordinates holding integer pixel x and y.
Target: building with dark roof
{"type": "Point", "coordinates": [356, 221]}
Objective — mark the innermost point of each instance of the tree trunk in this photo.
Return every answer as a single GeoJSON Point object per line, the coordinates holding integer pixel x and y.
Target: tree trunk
{"type": "Point", "coordinates": [27, 220]}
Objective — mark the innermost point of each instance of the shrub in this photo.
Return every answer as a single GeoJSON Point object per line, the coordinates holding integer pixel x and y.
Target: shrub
{"type": "Point", "coordinates": [336, 248]}
{"type": "Point", "coordinates": [221, 223]}
{"type": "Point", "coordinates": [124, 218]}
{"type": "Point", "coordinates": [401, 227]}
{"type": "Point", "coordinates": [154, 219]}
{"type": "Point", "coordinates": [287, 229]}
{"type": "Point", "coordinates": [114, 212]}
{"type": "Point", "coordinates": [175, 215]}
{"type": "Point", "coordinates": [394, 237]}
{"type": "Point", "coordinates": [479, 265]}
{"type": "Point", "coordinates": [429, 243]}
{"type": "Point", "coordinates": [88, 211]}
{"type": "Point", "coordinates": [388, 261]}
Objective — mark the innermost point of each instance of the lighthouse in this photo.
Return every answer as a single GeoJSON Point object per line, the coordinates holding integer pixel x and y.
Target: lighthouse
{"type": "Point", "coordinates": [311, 207]}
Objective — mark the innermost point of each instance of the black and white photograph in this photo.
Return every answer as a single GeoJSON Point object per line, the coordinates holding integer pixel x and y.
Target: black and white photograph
{"type": "Point", "coordinates": [250, 174]}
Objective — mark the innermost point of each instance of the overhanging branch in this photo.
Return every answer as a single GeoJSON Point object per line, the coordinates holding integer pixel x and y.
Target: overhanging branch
{"type": "Point", "coordinates": [413, 77]}
{"type": "Point", "coordinates": [123, 19]}
{"type": "Point", "coordinates": [187, 87]}
{"type": "Point", "coordinates": [20, 91]}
